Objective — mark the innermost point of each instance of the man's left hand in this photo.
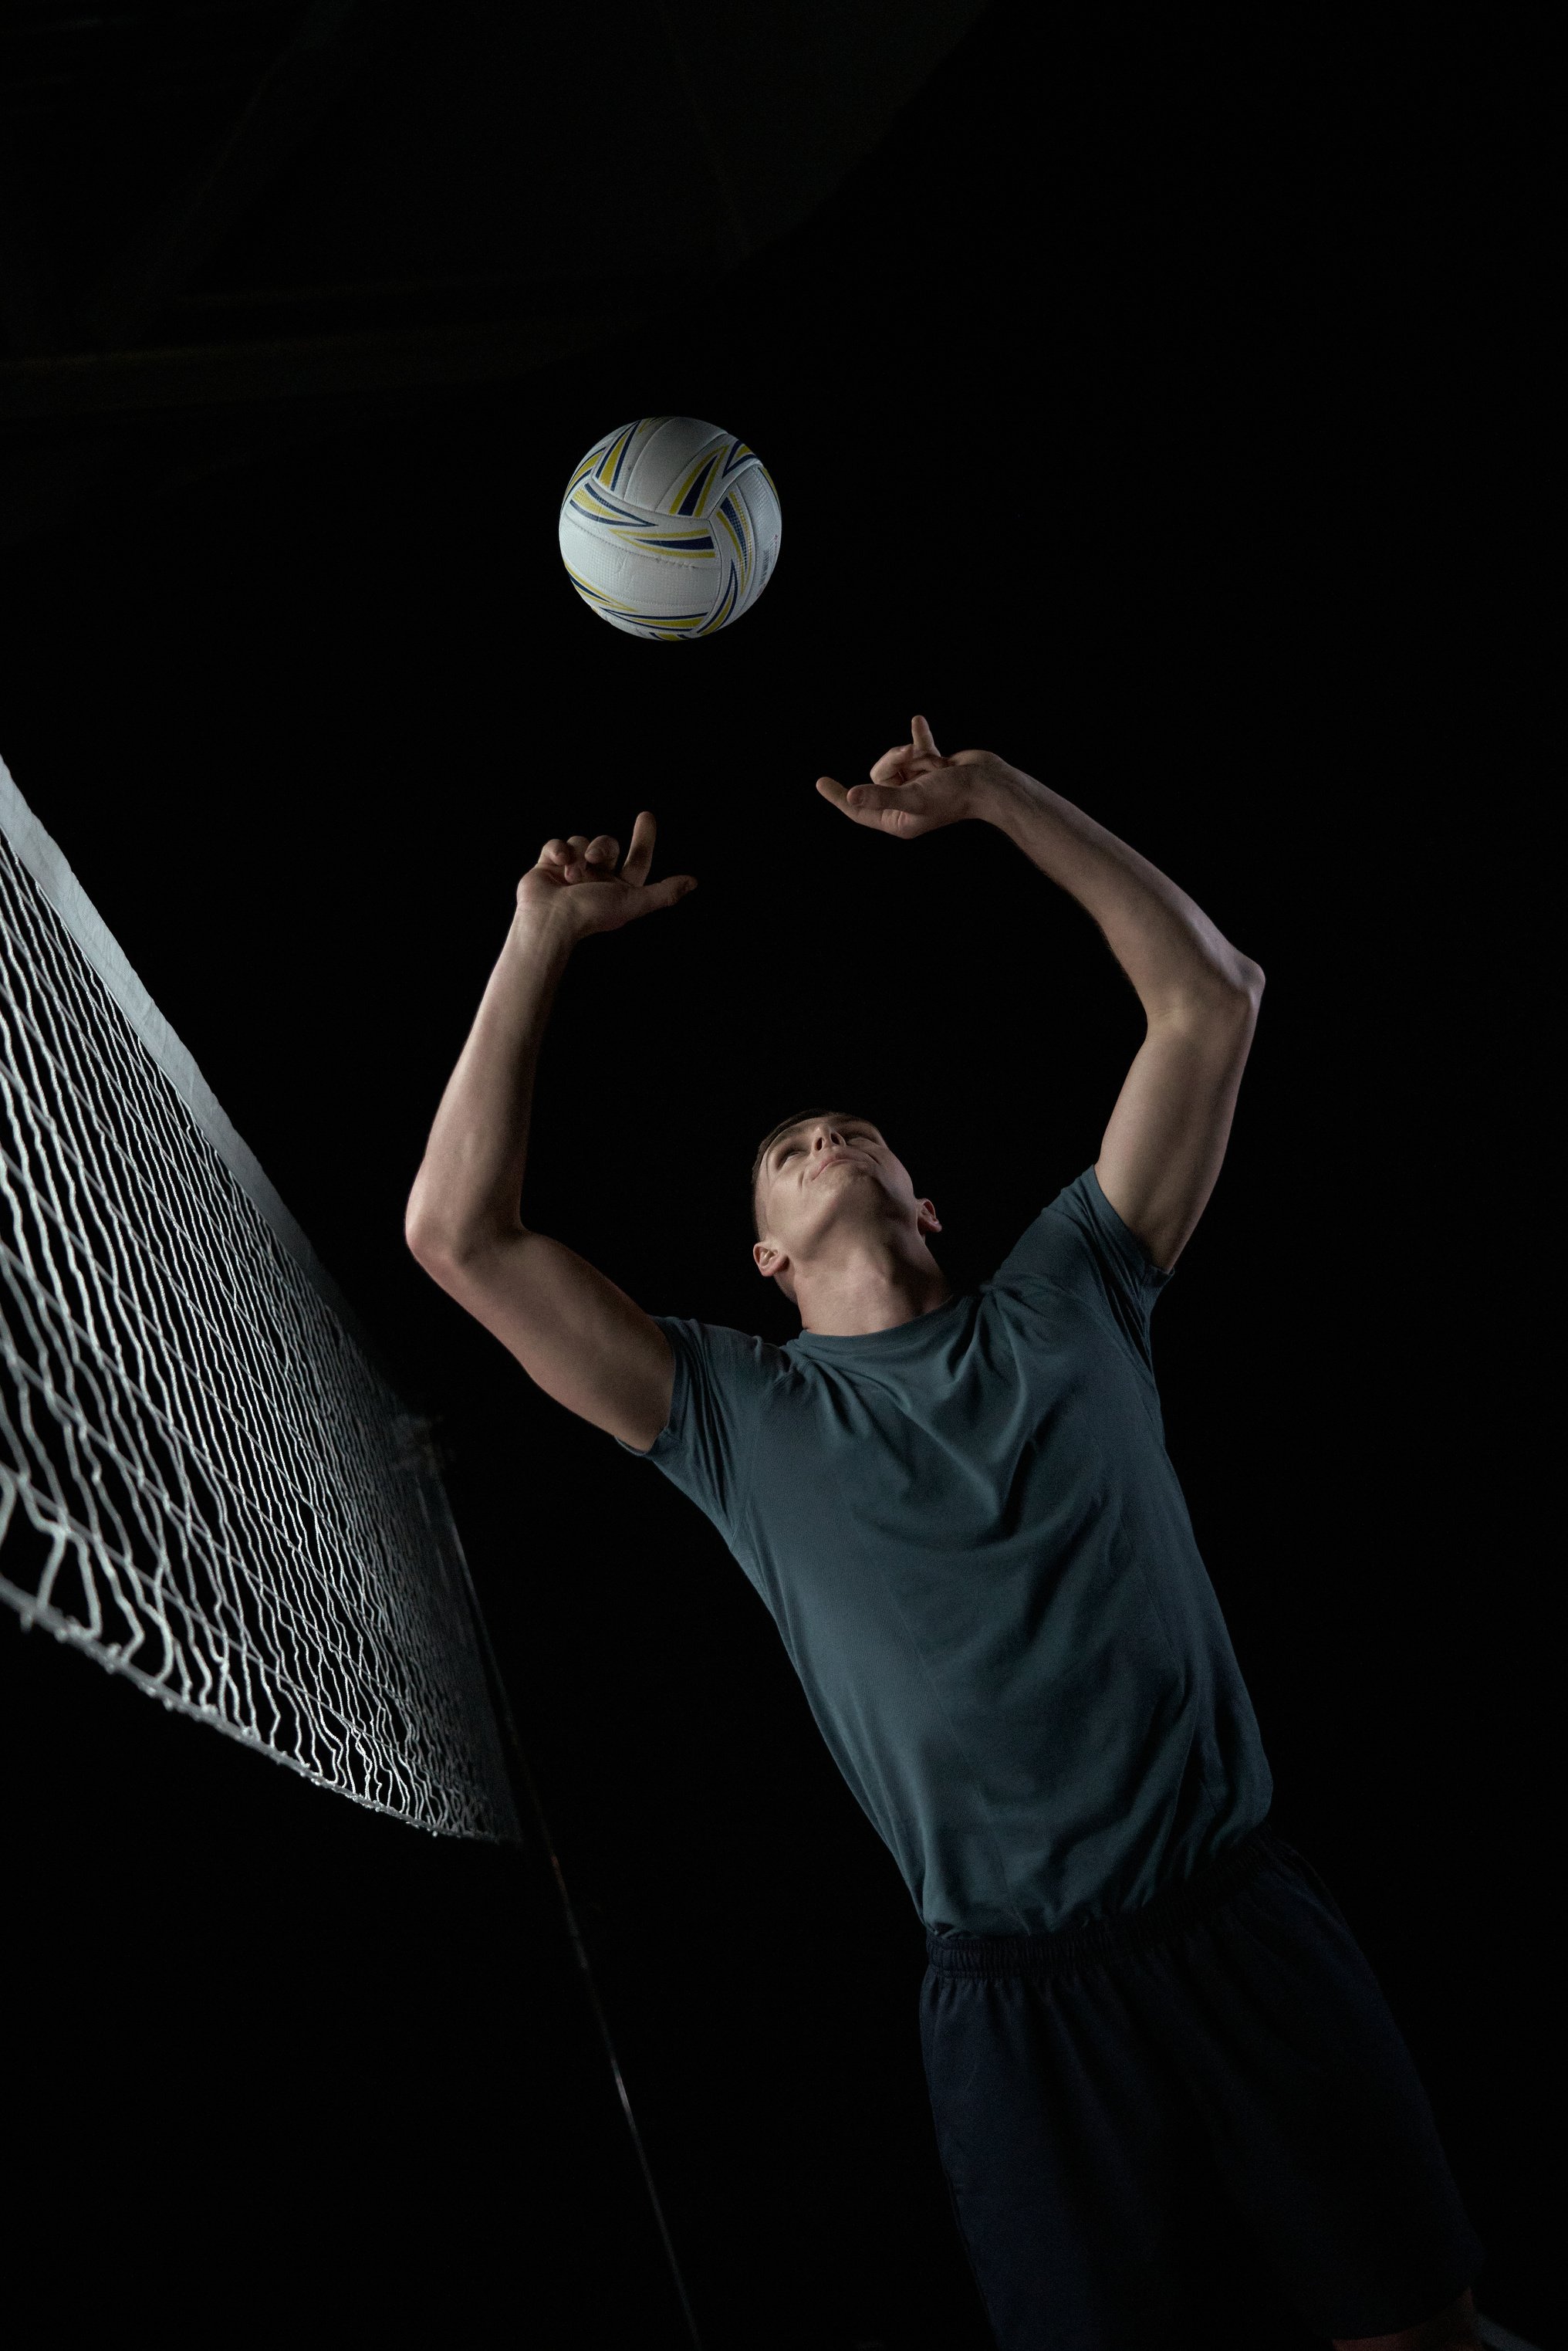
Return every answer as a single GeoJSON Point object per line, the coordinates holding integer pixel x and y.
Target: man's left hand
{"type": "Point", "coordinates": [913, 789]}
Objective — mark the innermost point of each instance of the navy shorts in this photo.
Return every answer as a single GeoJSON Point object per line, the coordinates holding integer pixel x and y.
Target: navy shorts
{"type": "Point", "coordinates": [1116, 2103]}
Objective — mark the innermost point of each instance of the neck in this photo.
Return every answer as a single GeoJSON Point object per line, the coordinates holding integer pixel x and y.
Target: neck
{"type": "Point", "coordinates": [880, 1284]}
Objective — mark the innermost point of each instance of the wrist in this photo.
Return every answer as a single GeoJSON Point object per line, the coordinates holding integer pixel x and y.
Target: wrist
{"type": "Point", "coordinates": [542, 935]}
{"type": "Point", "coordinates": [998, 794]}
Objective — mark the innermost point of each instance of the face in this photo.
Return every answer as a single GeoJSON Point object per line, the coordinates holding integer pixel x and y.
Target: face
{"type": "Point", "coordinates": [826, 1176]}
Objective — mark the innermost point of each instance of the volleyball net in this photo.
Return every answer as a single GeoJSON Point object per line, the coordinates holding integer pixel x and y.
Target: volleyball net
{"type": "Point", "coordinates": [207, 1483]}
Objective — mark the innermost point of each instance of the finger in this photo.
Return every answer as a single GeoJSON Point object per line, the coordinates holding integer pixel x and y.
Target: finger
{"type": "Point", "coordinates": [578, 844]}
{"type": "Point", "coordinates": [863, 802]}
{"type": "Point", "coordinates": [892, 763]}
{"type": "Point", "coordinates": [554, 852]}
{"type": "Point", "coordinates": [604, 849]}
{"type": "Point", "coordinates": [659, 895]}
{"type": "Point", "coordinates": [895, 809]}
{"type": "Point", "coordinates": [639, 856]}
{"type": "Point", "coordinates": [925, 742]}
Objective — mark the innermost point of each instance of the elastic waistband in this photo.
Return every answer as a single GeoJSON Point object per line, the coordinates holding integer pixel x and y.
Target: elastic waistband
{"type": "Point", "coordinates": [1177, 1905]}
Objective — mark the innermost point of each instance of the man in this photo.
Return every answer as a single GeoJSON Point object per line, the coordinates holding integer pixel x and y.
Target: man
{"type": "Point", "coordinates": [960, 1512]}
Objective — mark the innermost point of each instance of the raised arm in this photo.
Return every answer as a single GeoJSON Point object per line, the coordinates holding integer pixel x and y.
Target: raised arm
{"type": "Point", "coordinates": [576, 1336]}
{"type": "Point", "coordinates": [1162, 1150]}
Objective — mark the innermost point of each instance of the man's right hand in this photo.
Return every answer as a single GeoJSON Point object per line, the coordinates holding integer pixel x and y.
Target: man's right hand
{"type": "Point", "coordinates": [576, 1336]}
{"type": "Point", "coordinates": [574, 889]}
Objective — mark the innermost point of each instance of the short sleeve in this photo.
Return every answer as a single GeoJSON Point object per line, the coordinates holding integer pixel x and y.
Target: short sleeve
{"type": "Point", "coordinates": [1079, 1244]}
{"type": "Point", "coordinates": [721, 1381]}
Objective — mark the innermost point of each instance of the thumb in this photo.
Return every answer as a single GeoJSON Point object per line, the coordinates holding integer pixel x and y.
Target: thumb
{"type": "Point", "coordinates": [654, 895]}
{"type": "Point", "coordinates": [922, 737]}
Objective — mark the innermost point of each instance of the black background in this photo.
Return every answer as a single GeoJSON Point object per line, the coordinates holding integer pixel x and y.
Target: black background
{"type": "Point", "coordinates": [1125, 412]}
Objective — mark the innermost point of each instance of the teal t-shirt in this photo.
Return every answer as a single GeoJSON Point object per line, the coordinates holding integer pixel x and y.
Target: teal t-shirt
{"type": "Point", "coordinates": [970, 1536]}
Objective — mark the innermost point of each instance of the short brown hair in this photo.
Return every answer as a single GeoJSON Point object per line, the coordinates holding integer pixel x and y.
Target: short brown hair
{"type": "Point", "coordinates": [797, 1118]}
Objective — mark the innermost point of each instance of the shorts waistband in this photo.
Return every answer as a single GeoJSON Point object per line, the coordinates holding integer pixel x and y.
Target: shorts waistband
{"type": "Point", "coordinates": [1174, 1907]}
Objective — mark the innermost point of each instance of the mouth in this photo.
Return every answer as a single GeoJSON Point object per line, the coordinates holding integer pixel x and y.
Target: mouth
{"type": "Point", "coordinates": [838, 1159]}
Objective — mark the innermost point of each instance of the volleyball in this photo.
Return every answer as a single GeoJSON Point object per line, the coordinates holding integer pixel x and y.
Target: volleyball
{"type": "Point", "coordinates": [670, 527]}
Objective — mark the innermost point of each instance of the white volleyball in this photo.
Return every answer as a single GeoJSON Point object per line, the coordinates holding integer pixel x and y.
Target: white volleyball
{"type": "Point", "coordinates": [670, 527]}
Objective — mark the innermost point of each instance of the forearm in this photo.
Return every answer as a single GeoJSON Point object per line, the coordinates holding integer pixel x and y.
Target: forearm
{"type": "Point", "coordinates": [1165, 943]}
{"type": "Point", "coordinates": [470, 1181]}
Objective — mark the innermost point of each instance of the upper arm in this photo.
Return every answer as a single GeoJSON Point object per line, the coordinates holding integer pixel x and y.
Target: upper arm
{"type": "Point", "coordinates": [1161, 1151]}
{"type": "Point", "coordinates": [577, 1336]}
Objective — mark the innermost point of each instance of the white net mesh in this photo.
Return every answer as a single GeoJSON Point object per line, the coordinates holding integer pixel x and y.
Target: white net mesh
{"type": "Point", "coordinates": [206, 1483]}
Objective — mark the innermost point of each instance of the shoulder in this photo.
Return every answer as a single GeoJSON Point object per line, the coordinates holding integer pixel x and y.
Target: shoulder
{"type": "Point", "coordinates": [718, 1353]}
{"type": "Point", "coordinates": [1077, 1246]}
{"type": "Point", "coordinates": [1077, 1229]}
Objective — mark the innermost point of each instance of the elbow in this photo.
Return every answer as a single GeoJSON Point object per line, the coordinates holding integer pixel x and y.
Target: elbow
{"type": "Point", "coordinates": [1224, 991]}
{"type": "Point", "coordinates": [439, 1256]}
{"type": "Point", "coordinates": [418, 1226]}
{"type": "Point", "coordinates": [445, 1248]}
{"type": "Point", "coordinates": [423, 1244]}
{"type": "Point", "coordinates": [1243, 995]}
{"type": "Point", "coordinates": [1237, 982]}
{"type": "Point", "coordinates": [429, 1237]}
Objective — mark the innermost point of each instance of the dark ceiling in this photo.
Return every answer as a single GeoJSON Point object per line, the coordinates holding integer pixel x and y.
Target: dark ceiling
{"type": "Point", "coordinates": [225, 225]}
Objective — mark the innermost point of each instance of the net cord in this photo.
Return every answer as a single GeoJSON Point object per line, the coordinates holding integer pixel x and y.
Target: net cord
{"type": "Point", "coordinates": [532, 1806]}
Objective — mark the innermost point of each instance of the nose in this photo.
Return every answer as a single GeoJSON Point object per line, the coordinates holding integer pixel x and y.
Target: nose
{"type": "Point", "coordinates": [827, 1139]}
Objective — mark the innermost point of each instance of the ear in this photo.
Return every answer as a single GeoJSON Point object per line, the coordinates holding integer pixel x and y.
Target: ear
{"type": "Point", "coordinates": [927, 1220]}
{"type": "Point", "coordinates": [769, 1260]}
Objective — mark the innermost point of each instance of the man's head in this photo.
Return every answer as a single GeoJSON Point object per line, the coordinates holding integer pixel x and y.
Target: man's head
{"type": "Point", "coordinates": [823, 1183]}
